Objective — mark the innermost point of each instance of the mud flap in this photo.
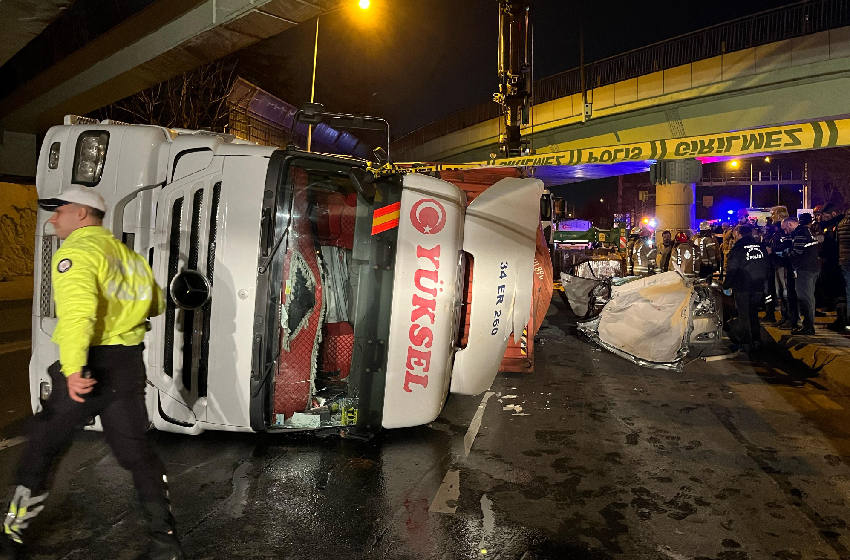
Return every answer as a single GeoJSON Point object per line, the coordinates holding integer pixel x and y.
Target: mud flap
{"type": "Point", "coordinates": [500, 232]}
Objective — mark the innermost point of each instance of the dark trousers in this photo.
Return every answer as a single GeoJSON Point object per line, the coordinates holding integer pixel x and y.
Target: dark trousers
{"type": "Point", "coordinates": [746, 329]}
{"type": "Point", "coordinates": [845, 272]}
{"type": "Point", "coordinates": [119, 399]}
{"type": "Point", "coordinates": [805, 287]}
{"type": "Point", "coordinates": [706, 270]}
{"type": "Point", "coordinates": [771, 297]}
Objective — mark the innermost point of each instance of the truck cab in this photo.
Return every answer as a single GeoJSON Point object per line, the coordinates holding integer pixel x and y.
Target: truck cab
{"type": "Point", "coordinates": [304, 291]}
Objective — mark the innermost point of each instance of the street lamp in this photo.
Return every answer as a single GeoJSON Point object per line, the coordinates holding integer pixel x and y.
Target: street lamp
{"type": "Point", "coordinates": [735, 163]}
{"type": "Point", "coordinates": [364, 5]}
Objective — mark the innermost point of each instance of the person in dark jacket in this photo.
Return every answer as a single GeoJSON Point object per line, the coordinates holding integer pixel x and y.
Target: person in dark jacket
{"type": "Point", "coordinates": [746, 274]}
{"type": "Point", "coordinates": [842, 240]}
{"type": "Point", "coordinates": [784, 278]}
{"type": "Point", "coordinates": [804, 260]}
{"type": "Point", "coordinates": [830, 279]}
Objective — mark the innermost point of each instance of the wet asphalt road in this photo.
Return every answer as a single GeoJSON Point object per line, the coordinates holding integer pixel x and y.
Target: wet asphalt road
{"type": "Point", "coordinates": [726, 460]}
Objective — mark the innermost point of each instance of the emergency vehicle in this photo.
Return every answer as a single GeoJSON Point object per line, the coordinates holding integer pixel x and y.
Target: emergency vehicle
{"type": "Point", "coordinates": [304, 291]}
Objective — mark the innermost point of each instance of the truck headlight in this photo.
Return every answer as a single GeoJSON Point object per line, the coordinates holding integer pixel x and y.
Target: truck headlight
{"type": "Point", "coordinates": [53, 158]}
{"type": "Point", "coordinates": [44, 390]}
{"type": "Point", "coordinates": [90, 157]}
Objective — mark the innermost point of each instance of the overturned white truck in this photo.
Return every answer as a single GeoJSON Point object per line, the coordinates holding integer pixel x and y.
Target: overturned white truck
{"type": "Point", "coordinates": [304, 292]}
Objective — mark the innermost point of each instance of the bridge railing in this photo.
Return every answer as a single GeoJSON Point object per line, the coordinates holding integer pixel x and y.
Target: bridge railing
{"type": "Point", "coordinates": [770, 26]}
{"type": "Point", "coordinates": [743, 176]}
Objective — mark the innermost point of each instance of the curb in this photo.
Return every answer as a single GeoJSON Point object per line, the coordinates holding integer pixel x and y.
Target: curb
{"type": "Point", "coordinates": [831, 362]}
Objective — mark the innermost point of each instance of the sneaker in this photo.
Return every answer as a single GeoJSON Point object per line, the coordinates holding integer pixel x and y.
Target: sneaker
{"type": "Point", "coordinates": [803, 331]}
{"type": "Point", "coordinates": [782, 323]}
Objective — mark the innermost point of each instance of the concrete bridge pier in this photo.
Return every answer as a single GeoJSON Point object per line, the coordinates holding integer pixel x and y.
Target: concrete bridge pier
{"type": "Point", "coordinates": [675, 194]}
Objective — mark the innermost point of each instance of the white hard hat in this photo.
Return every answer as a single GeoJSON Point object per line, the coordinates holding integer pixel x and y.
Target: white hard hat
{"type": "Point", "coordinates": [75, 194]}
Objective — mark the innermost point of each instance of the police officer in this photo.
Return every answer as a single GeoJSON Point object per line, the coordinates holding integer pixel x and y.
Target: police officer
{"type": "Point", "coordinates": [706, 248]}
{"type": "Point", "coordinates": [104, 294]}
{"type": "Point", "coordinates": [747, 270]}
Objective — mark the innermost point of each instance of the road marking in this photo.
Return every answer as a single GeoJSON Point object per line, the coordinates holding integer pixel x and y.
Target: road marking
{"type": "Point", "coordinates": [469, 438]}
{"type": "Point", "coordinates": [825, 402]}
{"type": "Point", "coordinates": [449, 491]}
{"type": "Point", "coordinates": [488, 524]}
{"type": "Point", "coordinates": [7, 443]}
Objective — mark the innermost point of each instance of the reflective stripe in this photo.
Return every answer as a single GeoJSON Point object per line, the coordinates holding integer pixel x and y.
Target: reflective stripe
{"type": "Point", "coordinates": [810, 244]}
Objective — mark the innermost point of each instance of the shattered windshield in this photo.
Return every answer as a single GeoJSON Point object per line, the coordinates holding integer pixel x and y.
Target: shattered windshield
{"type": "Point", "coordinates": [332, 277]}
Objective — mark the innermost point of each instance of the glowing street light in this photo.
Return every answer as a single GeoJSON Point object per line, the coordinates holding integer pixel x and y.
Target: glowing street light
{"type": "Point", "coordinates": [734, 163]}
{"type": "Point", "coordinates": [364, 5]}
{"type": "Point", "coordinates": [767, 159]}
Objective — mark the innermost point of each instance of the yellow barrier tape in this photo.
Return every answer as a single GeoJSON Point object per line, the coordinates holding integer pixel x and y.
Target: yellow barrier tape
{"type": "Point", "coordinates": [787, 138]}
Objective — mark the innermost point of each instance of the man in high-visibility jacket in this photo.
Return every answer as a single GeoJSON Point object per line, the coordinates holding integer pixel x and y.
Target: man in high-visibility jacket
{"type": "Point", "coordinates": [104, 294]}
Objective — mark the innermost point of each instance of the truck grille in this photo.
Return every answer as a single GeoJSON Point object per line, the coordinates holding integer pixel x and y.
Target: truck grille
{"type": "Point", "coordinates": [173, 263]}
{"type": "Point", "coordinates": [203, 363]}
{"type": "Point", "coordinates": [46, 293]}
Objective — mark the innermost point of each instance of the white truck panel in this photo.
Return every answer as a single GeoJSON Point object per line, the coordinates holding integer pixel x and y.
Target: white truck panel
{"type": "Point", "coordinates": [425, 301]}
{"type": "Point", "coordinates": [500, 232]}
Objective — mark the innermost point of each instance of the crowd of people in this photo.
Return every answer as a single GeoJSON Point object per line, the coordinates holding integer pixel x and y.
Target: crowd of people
{"type": "Point", "coordinates": [798, 266]}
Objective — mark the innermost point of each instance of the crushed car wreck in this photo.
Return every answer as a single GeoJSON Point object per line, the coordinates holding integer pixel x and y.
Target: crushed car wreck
{"type": "Point", "coordinates": [654, 321]}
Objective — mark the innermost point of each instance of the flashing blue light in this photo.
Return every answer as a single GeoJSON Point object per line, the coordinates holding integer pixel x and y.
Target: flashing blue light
{"type": "Point", "coordinates": [652, 223]}
{"type": "Point", "coordinates": [730, 212]}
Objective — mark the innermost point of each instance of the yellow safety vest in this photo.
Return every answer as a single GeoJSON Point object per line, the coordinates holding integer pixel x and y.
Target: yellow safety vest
{"type": "Point", "coordinates": [104, 294]}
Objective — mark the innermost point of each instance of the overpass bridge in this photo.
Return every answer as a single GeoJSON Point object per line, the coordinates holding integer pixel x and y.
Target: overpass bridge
{"type": "Point", "coordinates": [63, 57]}
{"type": "Point", "coordinates": [729, 90]}
{"type": "Point", "coordinates": [787, 65]}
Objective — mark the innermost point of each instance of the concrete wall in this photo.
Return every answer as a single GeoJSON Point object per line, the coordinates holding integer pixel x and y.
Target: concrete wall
{"type": "Point", "coordinates": [17, 229]}
{"type": "Point", "coordinates": [821, 56]}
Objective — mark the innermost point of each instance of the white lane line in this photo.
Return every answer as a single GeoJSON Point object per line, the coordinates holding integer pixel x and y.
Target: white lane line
{"type": "Point", "coordinates": [6, 443]}
{"type": "Point", "coordinates": [474, 426]}
{"type": "Point", "coordinates": [449, 491]}
{"type": "Point", "coordinates": [488, 525]}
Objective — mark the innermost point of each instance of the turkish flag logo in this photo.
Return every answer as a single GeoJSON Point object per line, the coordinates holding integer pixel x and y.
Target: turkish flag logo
{"type": "Point", "coordinates": [428, 216]}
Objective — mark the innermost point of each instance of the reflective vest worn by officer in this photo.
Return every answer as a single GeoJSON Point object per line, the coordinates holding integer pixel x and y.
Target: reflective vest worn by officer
{"type": "Point", "coordinates": [104, 295]}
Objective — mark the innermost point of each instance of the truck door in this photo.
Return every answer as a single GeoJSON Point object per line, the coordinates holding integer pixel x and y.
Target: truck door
{"type": "Point", "coordinates": [187, 215]}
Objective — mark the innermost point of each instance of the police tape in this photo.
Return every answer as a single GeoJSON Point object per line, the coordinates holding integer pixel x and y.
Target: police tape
{"type": "Point", "coordinates": [779, 139]}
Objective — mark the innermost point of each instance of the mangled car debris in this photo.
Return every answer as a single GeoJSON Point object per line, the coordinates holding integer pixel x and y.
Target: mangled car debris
{"type": "Point", "coordinates": [653, 320]}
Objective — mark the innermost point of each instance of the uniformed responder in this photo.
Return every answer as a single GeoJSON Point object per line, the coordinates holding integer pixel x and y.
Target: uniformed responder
{"type": "Point", "coordinates": [683, 254]}
{"type": "Point", "coordinates": [644, 254]}
{"type": "Point", "coordinates": [706, 248]}
{"type": "Point", "coordinates": [104, 294]}
{"type": "Point", "coordinates": [665, 250]}
{"type": "Point", "coordinates": [746, 272]}
{"type": "Point", "coordinates": [728, 240]}
{"type": "Point", "coordinates": [634, 237]}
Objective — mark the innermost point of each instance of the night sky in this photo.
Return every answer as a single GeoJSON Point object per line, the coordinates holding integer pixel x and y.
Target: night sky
{"type": "Point", "coordinates": [414, 61]}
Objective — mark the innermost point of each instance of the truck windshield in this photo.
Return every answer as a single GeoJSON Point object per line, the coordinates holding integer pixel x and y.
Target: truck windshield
{"type": "Point", "coordinates": [330, 294]}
